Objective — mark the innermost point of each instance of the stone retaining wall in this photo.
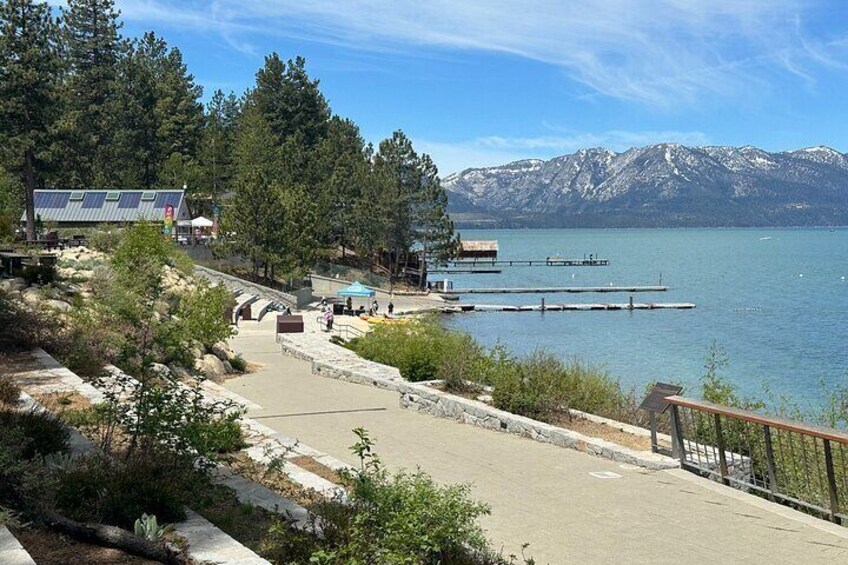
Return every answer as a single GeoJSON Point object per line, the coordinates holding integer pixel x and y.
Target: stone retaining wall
{"type": "Point", "coordinates": [330, 360]}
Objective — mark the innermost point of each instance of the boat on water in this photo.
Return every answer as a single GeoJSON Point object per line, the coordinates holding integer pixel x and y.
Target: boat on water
{"type": "Point", "coordinates": [765, 238]}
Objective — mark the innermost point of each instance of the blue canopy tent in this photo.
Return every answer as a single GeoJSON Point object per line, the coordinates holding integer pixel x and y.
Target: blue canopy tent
{"type": "Point", "coordinates": [356, 290]}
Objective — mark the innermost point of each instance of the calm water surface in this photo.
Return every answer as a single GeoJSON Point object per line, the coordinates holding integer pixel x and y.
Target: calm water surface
{"type": "Point", "coordinates": [776, 300]}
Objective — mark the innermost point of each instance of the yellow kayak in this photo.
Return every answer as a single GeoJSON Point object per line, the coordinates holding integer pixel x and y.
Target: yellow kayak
{"type": "Point", "coordinates": [381, 320]}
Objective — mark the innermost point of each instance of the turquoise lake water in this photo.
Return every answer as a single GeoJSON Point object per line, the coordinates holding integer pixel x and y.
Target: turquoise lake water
{"type": "Point", "coordinates": [776, 301]}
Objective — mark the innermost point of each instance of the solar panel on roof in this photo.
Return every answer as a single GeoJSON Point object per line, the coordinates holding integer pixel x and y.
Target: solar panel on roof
{"type": "Point", "coordinates": [94, 200]}
{"type": "Point", "coordinates": [165, 198]}
{"type": "Point", "coordinates": [129, 200]}
{"type": "Point", "coordinates": [112, 195]}
{"type": "Point", "coordinates": [51, 199]}
{"type": "Point", "coordinates": [148, 195]}
{"type": "Point", "coordinates": [77, 195]}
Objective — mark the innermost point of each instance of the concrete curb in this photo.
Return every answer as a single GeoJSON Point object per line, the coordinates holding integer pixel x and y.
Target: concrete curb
{"type": "Point", "coordinates": [11, 550]}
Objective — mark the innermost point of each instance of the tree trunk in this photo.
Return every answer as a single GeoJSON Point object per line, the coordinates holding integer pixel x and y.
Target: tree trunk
{"type": "Point", "coordinates": [111, 536]}
{"type": "Point", "coordinates": [29, 194]}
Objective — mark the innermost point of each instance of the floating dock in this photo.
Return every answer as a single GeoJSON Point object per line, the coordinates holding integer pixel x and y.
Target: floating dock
{"type": "Point", "coordinates": [549, 262]}
{"type": "Point", "coordinates": [553, 289]}
{"type": "Point", "coordinates": [460, 308]}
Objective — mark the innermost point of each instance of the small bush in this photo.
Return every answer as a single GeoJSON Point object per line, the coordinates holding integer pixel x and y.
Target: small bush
{"type": "Point", "coordinates": [41, 434]}
{"type": "Point", "coordinates": [105, 238]}
{"type": "Point", "coordinates": [41, 274]}
{"type": "Point", "coordinates": [99, 489]}
{"type": "Point", "coordinates": [9, 391]}
{"type": "Point", "coordinates": [221, 435]}
{"type": "Point", "coordinates": [239, 364]}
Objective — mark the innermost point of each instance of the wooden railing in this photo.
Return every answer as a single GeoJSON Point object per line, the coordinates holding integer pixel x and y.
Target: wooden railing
{"type": "Point", "coordinates": [800, 464]}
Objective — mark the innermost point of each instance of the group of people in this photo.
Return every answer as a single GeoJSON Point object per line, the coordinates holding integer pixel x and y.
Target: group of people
{"type": "Point", "coordinates": [328, 315]}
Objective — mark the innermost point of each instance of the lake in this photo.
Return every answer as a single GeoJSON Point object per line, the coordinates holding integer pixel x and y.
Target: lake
{"type": "Point", "coordinates": [776, 301]}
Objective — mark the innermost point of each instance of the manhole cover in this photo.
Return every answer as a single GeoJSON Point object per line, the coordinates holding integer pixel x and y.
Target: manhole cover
{"type": "Point", "coordinates": [605, 475]}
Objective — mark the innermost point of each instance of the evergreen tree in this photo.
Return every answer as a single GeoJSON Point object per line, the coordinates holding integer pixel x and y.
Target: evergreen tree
{"type": "Point", "coordinates": [92, 43]}
{"type": "Point", "coordinates": [253, 217]}
{"type": "Point", "coordinates": [342, 168]}
{"type": "Point", "coordinates": [134, 147]}
{"type": "Point", "coordinates": [28, 70]}
{"type": "Point", "coordinates": [178, 112]}
{"type": "Point", "coordinates": [216, 147]}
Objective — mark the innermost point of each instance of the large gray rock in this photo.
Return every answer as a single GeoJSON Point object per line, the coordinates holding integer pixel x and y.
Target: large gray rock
{"type": "Point", "coordinates": [60, 305]}
{"type": "Point", "coordinates": [14, 284]}
{"type": "Point", "coordinates": [161, 370]}
{"type": "Point", "coordinates": [223, 351]}
{"type": "Point", "coordinates": [211, 366]}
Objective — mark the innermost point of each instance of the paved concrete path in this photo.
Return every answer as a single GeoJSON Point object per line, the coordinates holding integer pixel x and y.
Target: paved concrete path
{"type": "Point", "coordinates": [539, 493]}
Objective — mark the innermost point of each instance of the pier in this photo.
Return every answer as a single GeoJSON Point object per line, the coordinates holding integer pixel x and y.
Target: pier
{"type": "Point", "coordinates": [460, 308]}
{"type": "Point", "coordinates": [548, 262]}
{"type": "Point", "coordinates": [546, 290]}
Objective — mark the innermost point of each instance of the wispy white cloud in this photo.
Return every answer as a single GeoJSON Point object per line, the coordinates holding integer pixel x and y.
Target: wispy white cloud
{"type": "Point", "coordinates": [487, 151]}
{"type": "Point", "coordinates": [662, 52]}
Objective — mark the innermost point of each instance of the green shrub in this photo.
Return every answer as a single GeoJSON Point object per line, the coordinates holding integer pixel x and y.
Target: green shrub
{"type": "Point", "coordinates": [105, 238]}
{"type": "Point", "coordinates": [422, 351]}
{"type": "Point", "coordinates": [238, 363]}
{"type": "Point", "coordinates": [99, 489]}
{"type": "Point", "coordinates": [220, 435]}
{"type": "Point", "coordinates": [26, 437]}
{"type": "Point", "coordinates": [41, 434]}
{"type": "Point", "coordinates": [41, 274]}
{"type": "Point", "coordinates": [9, 391]}
{"type": "Point", "coordinates": [397, 518]}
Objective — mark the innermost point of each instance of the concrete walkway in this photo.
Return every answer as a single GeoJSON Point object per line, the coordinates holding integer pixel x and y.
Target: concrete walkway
{"type": "Point", "coordinates": [539, 493]}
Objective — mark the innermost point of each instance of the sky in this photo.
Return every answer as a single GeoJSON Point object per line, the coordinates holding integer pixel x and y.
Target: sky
{"type": "Point", "coordinates": [485, 82]}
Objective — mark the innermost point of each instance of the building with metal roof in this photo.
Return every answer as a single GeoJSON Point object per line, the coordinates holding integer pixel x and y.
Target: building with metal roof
{"type": "Point", "coordinates": [81, 208]}
{"type": "Point", "coordinates": [483, 249]}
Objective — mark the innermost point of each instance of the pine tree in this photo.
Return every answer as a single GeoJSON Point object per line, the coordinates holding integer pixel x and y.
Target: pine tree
{"type": "Point", "coordinates": [253, 217]}
{"type": "Point", "coordinates": [432, 226]}
{"type": "Point", "coordinates": [134, 148]}
{"type": "Point", "coordinates": [341, 168]}
{"type": "Point", "coordinates": [216, 147]}
{"type": "Point", "coordinates": [178, 112]}
{"type": "Point", "coordinates": [92, 42]}
{"type": "Point", "coordinates": [28, 70]}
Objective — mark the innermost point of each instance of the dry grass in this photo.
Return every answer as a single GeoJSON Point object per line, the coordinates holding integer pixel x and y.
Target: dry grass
{"type": "Point", "coordinates": [275, 480]}
{"type": "Point", "coordinates": [59, 402]}
{"type": "Point", "coordinates": [50, 548]}
{"type": "Point", "coordinates": [313, 466]}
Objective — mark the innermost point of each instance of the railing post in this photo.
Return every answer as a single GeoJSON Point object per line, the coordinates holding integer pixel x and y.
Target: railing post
{"type": "Point", "coordinates": [772, 471]}
{"type": "Point", "coordinates": [831, 483]}
{"type": "Point", "coordinates": [677, 449]}
{"type": "Point", "coordinates": [653, 417]}
{"type": "Point", "coordinates": [722, 459]}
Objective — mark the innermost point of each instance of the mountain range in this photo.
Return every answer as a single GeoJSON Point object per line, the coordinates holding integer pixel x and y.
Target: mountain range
{"type": "Point", "coordinates": [664, 185]}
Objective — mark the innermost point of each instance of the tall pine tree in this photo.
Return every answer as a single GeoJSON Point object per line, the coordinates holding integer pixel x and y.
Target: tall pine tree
{"type": "Point", "coordinates": [28, 70]}
{"type": "Point", "coordinates": [92, 45]}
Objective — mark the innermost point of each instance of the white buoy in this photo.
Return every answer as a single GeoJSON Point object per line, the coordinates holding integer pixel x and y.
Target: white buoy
{"type": "Point", "coordinates": [801, 275]}
{"type": "Point", "coordinates": [574, 275]}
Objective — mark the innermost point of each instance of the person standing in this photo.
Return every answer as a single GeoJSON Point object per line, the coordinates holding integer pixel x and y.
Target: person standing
{"type": "Point", "coordinates": [375, 306]}
{"type": "Point", "coordinates": [349, 305]}
{"type": "Point", "coordinates": [391, 307]}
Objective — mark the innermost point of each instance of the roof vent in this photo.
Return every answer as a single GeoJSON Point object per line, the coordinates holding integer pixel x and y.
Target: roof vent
{"type": "Point", "coordinates": [148, 195]}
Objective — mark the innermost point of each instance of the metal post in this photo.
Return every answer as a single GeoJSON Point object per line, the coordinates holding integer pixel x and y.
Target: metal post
{"type": "Point", "coordinates": [654, 446]}
{"type": "Point", "coordinates": [677, 449]}
{"type": "Point", "coordinates": [831, 483]}
{"type": "Point", "coordinates": [722, 459]}
{"type": "Point", "coordinates": [543, 304]}
{"type": "Point", "coordinates": [772, 471]}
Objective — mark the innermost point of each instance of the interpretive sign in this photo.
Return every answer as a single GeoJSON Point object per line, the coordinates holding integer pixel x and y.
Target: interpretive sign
{"type": "Point", "coordinates": [655, 401]}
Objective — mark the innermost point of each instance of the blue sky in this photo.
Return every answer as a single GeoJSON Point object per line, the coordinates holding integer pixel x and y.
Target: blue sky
{"type": "Point", "coordinates": [485, 82]}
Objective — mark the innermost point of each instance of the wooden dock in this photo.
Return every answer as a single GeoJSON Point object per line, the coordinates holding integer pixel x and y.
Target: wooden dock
{"type": "Point", "coordinates": [460, 308]}
{"type": "Point", "coordinates": [549, 262]}
{"type": "Point", "coordinates": [548, 290]}
{"type": "Point", "coordinates": [467, 271]}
